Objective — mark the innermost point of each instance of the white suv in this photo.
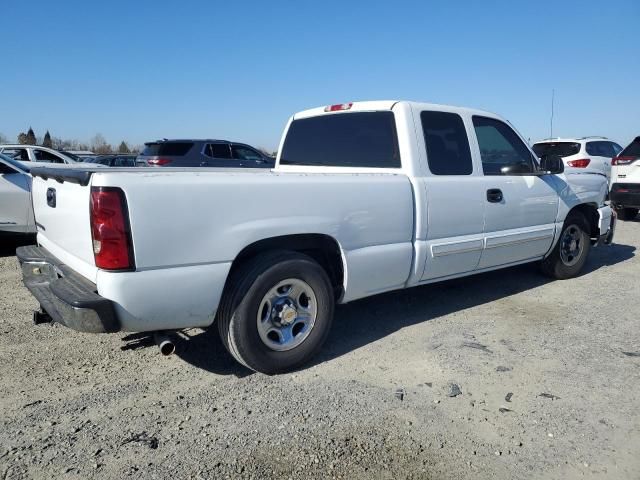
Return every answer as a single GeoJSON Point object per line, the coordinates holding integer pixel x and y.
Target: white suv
{"type": "Point", "coordinates": [35, 153]}
{"type": "Point", "coordinates": [591, 153]}
{"type": "Point", "coordinates": [625, 181]}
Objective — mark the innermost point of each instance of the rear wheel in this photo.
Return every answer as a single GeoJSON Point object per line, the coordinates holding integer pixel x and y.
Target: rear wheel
{"type": "Point", "coordinates": [276, 311]}
{"type": "Point", "coordinates": [571, 251]}
{"type": "Point", "coordinates": [626, 213]}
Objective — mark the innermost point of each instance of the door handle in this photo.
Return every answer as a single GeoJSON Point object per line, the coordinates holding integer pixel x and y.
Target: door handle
{"type": "Point", "coordinates": [494, 195]}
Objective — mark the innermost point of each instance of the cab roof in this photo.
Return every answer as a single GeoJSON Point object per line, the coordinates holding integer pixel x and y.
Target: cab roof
{"type": "Point", "coordinates": [378, 105]}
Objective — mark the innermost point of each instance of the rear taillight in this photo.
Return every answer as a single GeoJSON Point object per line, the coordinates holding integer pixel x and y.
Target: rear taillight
{"type": "Point", "coordinates": [159, 161]}
{"type": "Point", "coordinates": [622, 160]}
{"type": "Point", "coordinates": [582, 163]}
{"type": "Point", "coordinates": [110, 229]}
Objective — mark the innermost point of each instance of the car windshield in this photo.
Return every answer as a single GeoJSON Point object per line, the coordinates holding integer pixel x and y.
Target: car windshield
{"type": "Point", "coordinates": [72, 156]}
{"type": "Point", "coordinates": [564, 149]}
{"type": "Point", "coordinates": [14, 163]}
{"type": "Point", "coordinates": [633, 150]}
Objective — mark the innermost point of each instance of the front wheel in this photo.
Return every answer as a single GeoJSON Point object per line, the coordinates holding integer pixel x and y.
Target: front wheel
{"type": "Point", "coordinates": [627, 213]}
{"type": "Point", "coordinates": [570, 252]}
{"type": "Point", "coordinates": [276, 311]}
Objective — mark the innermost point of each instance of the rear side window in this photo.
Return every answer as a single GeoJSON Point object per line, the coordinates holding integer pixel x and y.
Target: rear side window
{"type": "Point", "coordinates": [448, 151]}
{"type": "Point", "coordinates": [563, 149]}
{"type": "Point", "coordinates": [17, 153]}
{"type": "Point", "coordinates": [168, 149]}
{"type": "Point", "coordinates": [42, 156]}
{"type": "Point", "coordinates": [245, 153]}
{"type": "Point", "coordinates": [601, 149]}
{"type": "Point", "coordinates": [501, 150]}
{"type": "Point", "coordinates": [357, 139]}
{"type": "Point", "coordinates": [633, 150]}
{"type": "Point", "coordinates": [217, 150]}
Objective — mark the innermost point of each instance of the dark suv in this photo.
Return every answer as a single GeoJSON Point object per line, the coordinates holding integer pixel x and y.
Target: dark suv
{"type": "Point", "coordinates": [202, 153]}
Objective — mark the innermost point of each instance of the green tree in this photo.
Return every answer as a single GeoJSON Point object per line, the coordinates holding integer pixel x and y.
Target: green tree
{"type": "Point", "coordinates": [31, 137]}
{"type": "Point", "coordinates": [123, 148]}
{"type": "Point", "coordinates": [22, 138]}
{"type": "Point", "coordinates": [47, 140]}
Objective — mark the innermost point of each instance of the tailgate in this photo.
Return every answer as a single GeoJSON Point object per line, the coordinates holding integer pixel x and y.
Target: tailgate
{"type": "Point", "coordinates": [627, 172]}
{"type": "Point", "coordinates": [61, 206]}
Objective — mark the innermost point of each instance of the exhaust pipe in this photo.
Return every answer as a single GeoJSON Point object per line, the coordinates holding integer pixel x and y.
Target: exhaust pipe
{"type": "Point", "coordinates": [164, 343]}
{"type": "Point", "coordinates": [41, 316]}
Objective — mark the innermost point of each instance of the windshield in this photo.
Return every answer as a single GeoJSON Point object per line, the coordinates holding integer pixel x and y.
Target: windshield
{"type": "Point", "coordinates": [14, 163]}
{"type": "Point", "coordinates": [564, 149]}
{"type": "Point", "coordinates": [72, 156]}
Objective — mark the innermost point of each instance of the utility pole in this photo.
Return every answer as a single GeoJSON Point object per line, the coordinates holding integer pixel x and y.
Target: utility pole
{"type": "Point", "coordinates": [553, 94]}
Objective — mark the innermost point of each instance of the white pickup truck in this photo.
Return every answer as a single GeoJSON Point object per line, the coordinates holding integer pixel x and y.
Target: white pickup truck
{"type": "Point", "coordinates": [365, 198]}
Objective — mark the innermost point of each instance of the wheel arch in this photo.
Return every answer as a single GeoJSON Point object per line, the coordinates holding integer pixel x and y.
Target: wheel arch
{"type": "Point", "coordinates": [590, 213]}
{"type": "Point", "coordinates": [323, 248]}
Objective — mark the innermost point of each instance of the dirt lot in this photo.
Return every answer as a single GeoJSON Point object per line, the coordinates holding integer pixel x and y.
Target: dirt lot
{"type": "Point", "coordinates": [549, 374]}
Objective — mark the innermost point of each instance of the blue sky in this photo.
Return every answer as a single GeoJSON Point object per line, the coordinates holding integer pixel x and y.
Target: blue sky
{"type": "Point", "coordinates": [142, 70]}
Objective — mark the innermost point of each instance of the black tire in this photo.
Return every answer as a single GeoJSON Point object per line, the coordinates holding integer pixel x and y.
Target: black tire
{"type": "Point", "coordinates": [563, 266]}
{"type": "Point", "coordinates": [244, 292]}
{"type": "Point", "coordinates": [627, 213]}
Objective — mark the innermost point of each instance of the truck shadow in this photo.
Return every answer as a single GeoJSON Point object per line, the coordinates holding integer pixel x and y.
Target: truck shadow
{"type": "Point", "coordinates": [9, 242]}
{"type": "Point", "coordinates": [365, 321]}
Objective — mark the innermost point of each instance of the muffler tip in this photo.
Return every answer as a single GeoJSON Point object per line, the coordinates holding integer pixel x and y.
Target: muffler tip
{"type": "Point", "coordinates": [165, 344]}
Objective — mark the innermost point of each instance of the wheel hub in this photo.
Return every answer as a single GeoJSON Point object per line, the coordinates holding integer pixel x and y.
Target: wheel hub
{"type": "Point", "coordinates": [287, 314]}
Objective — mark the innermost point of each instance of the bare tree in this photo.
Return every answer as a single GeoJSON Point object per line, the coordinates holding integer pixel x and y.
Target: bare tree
{"type": "Point", "coordinates": [99, 144]}
{"type": "Point", "coordinates": [22, 138]}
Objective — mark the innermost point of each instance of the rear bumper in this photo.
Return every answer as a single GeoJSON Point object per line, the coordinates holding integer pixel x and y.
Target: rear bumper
{"type": "Point", "coordinates": [607, 225]}
{"type": "Point", "coordinates": [68, 297]}
{"type": "Point", "coordinates": [625, 195]}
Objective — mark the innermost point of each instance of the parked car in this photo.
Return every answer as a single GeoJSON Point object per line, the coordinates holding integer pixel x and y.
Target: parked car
{"type": "Point", "coordinates": [586, 153]}
{"type": "Point", "coordinates": [625, 181]}
{"type": "Point", "coordinates": [365, 198]}
{"type": "Point", "coordinates": [35, 153]}
{"type": "Point", "coordinates": [119, 160]}
{"type": "Point", "coordinates": [202, 153]}
{"type": "Point", "coordinates": [16, 212]}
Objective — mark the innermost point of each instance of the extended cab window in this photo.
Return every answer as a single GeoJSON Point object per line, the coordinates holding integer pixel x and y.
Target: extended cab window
{"type": "Point", "coordinates": [355, 139]}
{"type": "Point", "coordinates": [447, 144]}
{"type": "Point", "coordinates": [501, 150]}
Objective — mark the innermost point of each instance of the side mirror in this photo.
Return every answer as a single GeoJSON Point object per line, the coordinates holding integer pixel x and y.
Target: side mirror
{"type": "Point", "coordinates": [552, 164]}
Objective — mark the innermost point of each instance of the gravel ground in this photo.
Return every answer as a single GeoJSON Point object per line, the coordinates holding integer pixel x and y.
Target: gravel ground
{"type": "Point", "coordinates": [501, 375]}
